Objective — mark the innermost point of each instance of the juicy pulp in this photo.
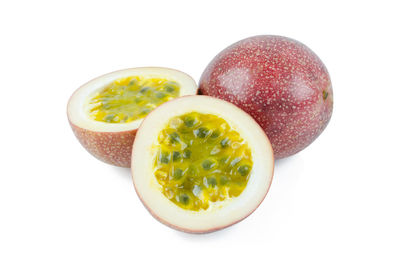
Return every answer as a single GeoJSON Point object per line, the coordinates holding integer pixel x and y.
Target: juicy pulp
{"type": "Point", "coordinates": [200, 159]}
{"type": "Point", "coordinates": [131, 98]}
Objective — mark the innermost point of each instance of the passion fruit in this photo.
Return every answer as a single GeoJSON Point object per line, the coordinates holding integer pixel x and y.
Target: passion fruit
{"type": "Point", "coordinates": [106, 112]}
{"type": "Point", "coordinates": [280, 82]}
{"type": "Point", "coordinates": [200, 164]}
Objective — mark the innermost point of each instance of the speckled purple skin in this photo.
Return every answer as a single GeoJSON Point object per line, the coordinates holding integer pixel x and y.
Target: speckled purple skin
{"type": "Point", "coordinates": [278, 81]}
{"type": "Point", "coordinates": [114, 148]}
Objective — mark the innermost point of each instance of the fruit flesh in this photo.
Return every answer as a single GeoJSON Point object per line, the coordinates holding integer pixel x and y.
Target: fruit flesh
{"type": "Point", "coordinates": [131, 98]}
{"type": "Point", "coordinates": [200, 159]}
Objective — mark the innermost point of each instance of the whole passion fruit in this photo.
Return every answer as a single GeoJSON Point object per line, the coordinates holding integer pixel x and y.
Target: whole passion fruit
{"type": "Point", "coordinates": [280, 82]}
{"type": "Point", "coordinates": [105, 113]}
{"type": "Point", "coordinates": [200, 164]}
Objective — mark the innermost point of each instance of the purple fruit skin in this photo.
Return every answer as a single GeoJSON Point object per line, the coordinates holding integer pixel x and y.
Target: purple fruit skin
{"type": "Point", "coordinates": [280, 82]}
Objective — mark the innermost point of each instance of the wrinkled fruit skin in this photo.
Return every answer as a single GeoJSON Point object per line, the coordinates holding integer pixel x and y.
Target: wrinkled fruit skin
{"type": "Point", "coordinates": [114, 148]}
{"type": "Point", "coordinates": [280, 82]}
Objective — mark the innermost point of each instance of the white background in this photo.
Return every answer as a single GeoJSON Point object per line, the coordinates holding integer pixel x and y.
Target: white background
{"type": "Point", "coordinates": [337, 203]}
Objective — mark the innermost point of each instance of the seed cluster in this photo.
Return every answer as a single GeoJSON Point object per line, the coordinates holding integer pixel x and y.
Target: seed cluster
{"type": "Point", "coordinates": [199, 159]}
{"type": "Point", "coordinates": [131, 98]}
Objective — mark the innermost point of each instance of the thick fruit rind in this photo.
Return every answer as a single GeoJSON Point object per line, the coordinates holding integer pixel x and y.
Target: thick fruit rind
{"type": "Point", "coordinates": [110, 147]}
{"type": "Point", "coordinates": [202, 231]}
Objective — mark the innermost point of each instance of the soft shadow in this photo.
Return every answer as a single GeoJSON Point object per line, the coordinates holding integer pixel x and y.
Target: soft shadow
{"type": "Point", "coordinates": [122, 172]}
{"type": "Point", "coordinates": [288, 169]}
{"type": "Point", "coordinates": [285, 161]}
{"type": "Point", "coordinates": [221, 234]}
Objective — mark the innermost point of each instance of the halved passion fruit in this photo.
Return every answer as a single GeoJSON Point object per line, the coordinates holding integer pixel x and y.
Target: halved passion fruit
{"type": "Point", "coordinates": [200, 164]}
{"type": "Point", "coordinates": [105, 113]}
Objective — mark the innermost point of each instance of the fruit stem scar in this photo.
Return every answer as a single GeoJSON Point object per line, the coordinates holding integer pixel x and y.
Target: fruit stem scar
{"type": "Point", "coordinates": [325, 94]}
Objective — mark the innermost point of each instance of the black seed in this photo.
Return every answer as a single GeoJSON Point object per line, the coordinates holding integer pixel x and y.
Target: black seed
{"type": "Point", "coordinates": [225, 142]}
{"type": "Point", "coordinates": [145, 111]}
{"type": "Point", "coordinates": [178, 173]}
{"type": "Point", "coordinates": [215, 134]}
{"type": "Point", "coordinates": [202, 132]}
{"type": "Point", "coordinates": [187, 153]}
{"type": "Point", "coordinates": [184, 199]}
{"type": "Point", "coordinates": [174, 137]}
{"type": "Point", "coordinates": [192, 171]}
{"type": "Point", "coordinates": [176, 156]}
{"type": "Point", "coordinates": [223, 160]}
{"type": "Point", "coordinates": [207, 164]}
{"type": "Point", "coordinates": [189, 121]}
{"type": "Point", "coordinates": [244, 170]}
{"type": "Point", "coordinates": [132, 82]}
{"type": "Point", "coordinates": [212, 181]}
{"type": "Point", "coordinates": [109, 117]}
{"type": "Point", "coordinates": [223, 180]}
{"type": "Point", "coordinates": [169, 88]}
{"type": "Point", "coordinates": [160, 95]}
{"type": "Point", "coordinates": [164, 157]}
{"type": "Point", "coordinates": [144, 89]}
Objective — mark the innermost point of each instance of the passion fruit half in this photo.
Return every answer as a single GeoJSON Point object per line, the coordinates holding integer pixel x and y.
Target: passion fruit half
{"type": "Point", "coordinates": [200, 164]}
{"type": "Point", "coordinates": [106, 112]}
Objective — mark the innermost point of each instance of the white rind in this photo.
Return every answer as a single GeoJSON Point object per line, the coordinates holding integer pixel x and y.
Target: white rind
{"type": "Point", "coordinates": [78, 103]}
{"type": "Point", "coordinates": [219, 216]}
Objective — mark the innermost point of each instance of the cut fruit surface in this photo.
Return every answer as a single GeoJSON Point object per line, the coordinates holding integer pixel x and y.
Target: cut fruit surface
{"type": "Point", "coordinates": [131, 98]}
{"type": "Point", "coordinates": [200, 159]}
{"type": "Point", "coordinates": [106, 112]}
{"type": "Point", "coordinates": [200, 164]}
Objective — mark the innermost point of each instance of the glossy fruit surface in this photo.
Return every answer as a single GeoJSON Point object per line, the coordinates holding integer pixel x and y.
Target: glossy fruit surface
{"type": "Point", "coordinates": [280, 82]}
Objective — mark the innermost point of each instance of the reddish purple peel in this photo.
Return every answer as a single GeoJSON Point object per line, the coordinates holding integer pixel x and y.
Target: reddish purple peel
{"type": "Point", "coordinates": [114, 148]}
{"type": "Point", "coordinates": [280, 82]}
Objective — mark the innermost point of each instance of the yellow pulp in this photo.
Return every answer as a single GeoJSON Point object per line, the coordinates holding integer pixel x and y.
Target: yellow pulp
{"type": "Point", "coordinates": [131, 98]}
{"type": "Point", "coordinates": [201, 159]}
